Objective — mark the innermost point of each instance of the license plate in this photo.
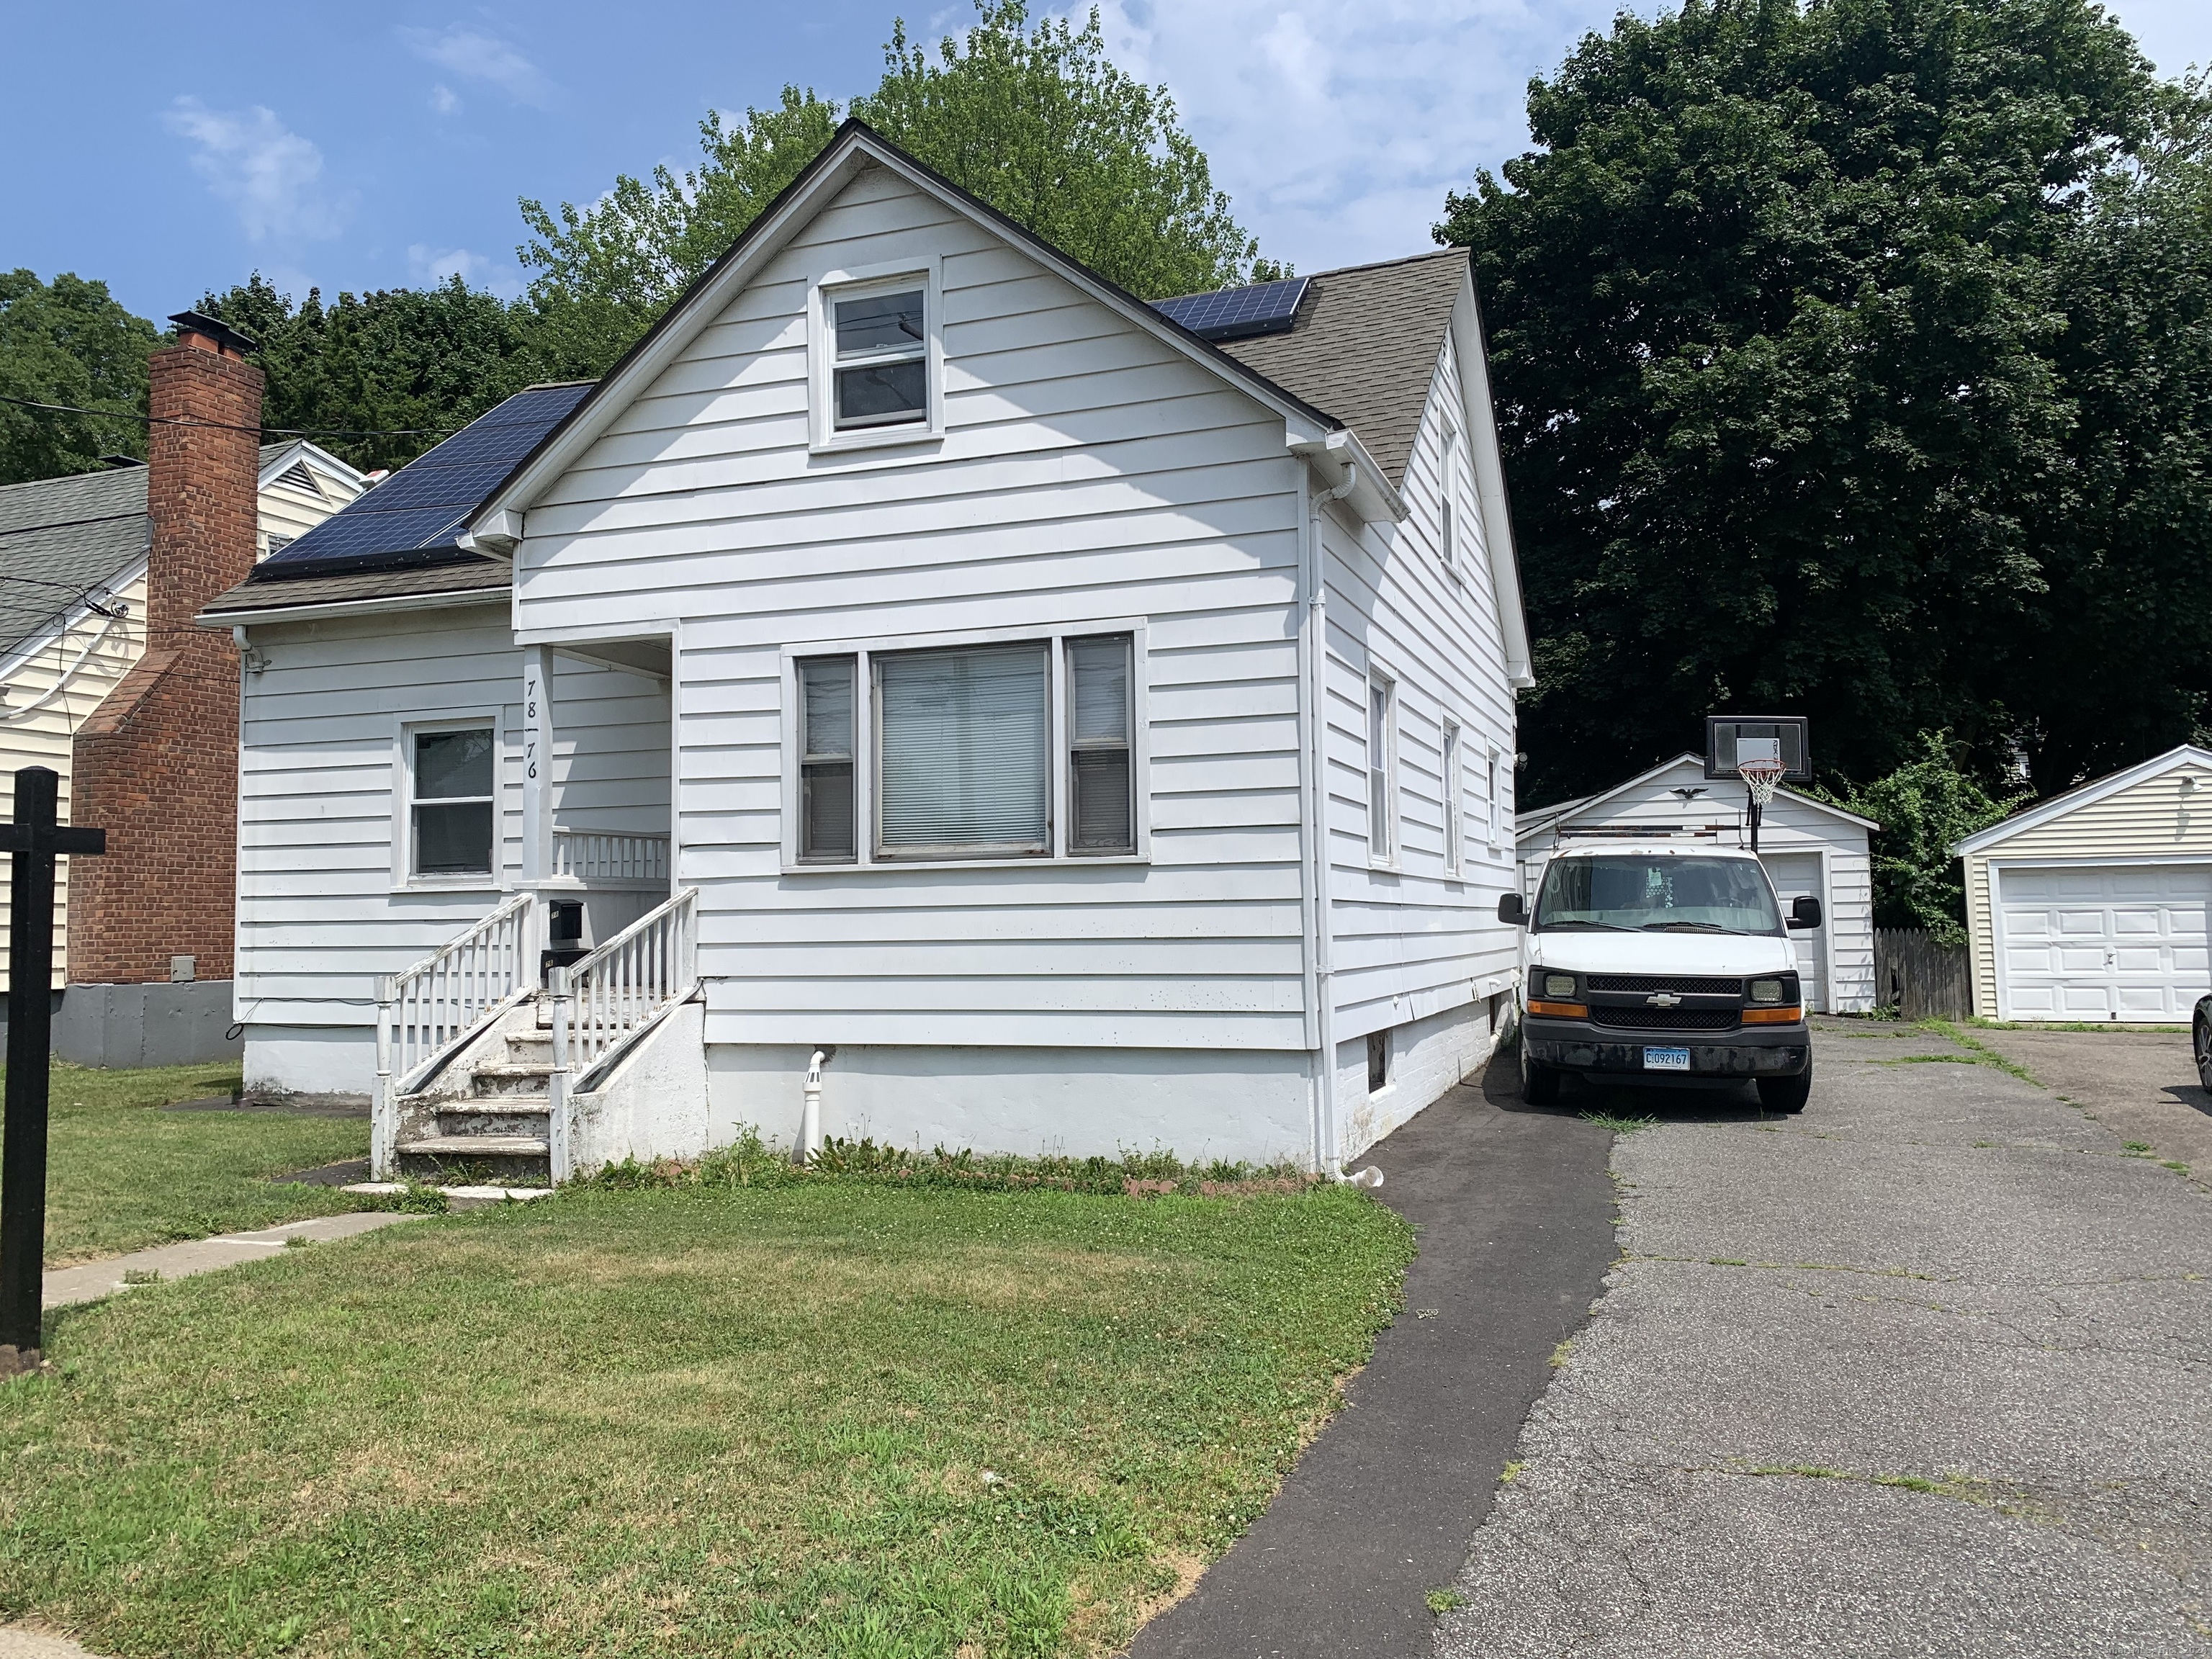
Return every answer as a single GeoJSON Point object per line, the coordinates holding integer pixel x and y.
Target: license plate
{"type": "Point", "coordinates": [1666, 1059]}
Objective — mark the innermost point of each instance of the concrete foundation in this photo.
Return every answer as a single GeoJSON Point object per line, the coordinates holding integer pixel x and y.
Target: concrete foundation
{"type": "Point", "coordinates": [158, 1024]}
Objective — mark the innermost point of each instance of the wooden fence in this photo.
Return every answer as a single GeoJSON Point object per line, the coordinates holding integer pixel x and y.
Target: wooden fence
{"type": "Point", "coordinates": [1919, 978]}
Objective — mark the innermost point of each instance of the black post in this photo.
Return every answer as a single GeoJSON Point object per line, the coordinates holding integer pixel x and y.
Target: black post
{"type": "Point", "coordinates": [1754, 820]}
{"type": "Point", "coordinates": [32, 842]}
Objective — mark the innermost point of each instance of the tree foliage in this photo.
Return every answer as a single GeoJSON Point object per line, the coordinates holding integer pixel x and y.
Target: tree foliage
{"type": "Point", "coordinates": [69, 342]}
{"type": "Point", "coordinates": [1033, 118]}
{"type": "Point", "coordinates": [430, 360]}
{"type": "Point", "coordinates": [1924, 808]}
{"type": "Point", "coordinates": [1787, 316]}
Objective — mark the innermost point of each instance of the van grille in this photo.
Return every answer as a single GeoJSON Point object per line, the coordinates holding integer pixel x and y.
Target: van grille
{"type": "Point", "coordinates": [1680, 986]}
{"type": "Point", "coordinates": [1664, 1019]}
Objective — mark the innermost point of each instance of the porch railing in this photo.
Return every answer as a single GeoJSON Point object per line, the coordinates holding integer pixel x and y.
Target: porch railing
{"type": "Point", "coordinates": [426, 1013]}
{"type": "Point", "coordinates": [601, 858]}
{"type": "Point", "coordinates": [604, 1003]}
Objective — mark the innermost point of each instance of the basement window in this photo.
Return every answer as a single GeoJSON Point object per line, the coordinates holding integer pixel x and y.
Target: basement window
{"type": "Point", "coordinates": [1378, 1062]}
{"type": "Point", "coordinates": [451, 813]}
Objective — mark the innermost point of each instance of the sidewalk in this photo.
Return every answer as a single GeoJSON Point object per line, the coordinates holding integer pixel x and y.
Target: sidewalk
{"type": "Point", "coordinates": [67, 1286]}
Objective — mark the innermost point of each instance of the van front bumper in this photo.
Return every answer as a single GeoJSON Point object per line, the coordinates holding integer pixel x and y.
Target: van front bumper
{"type": "Point", "coordinates": [1581, 1046]}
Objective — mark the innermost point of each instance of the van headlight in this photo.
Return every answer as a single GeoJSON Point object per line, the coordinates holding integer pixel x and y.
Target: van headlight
{"type": "Point", "coordinates": [1559, 985]}
{"type": "Point", "coordinates": [1767, 990]}
{"type": "Point", "coordinates": [1781, 988]}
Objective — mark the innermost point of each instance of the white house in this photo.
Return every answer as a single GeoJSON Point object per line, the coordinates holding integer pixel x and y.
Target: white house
{"type": "Point", "coordinates": [1081, 731]}
{"type": "Point", "coordinates": [1807, 845]}
{"type": "Point", "coordinates": [2094, 905]}
{"type": "Point", "coordinates": [73, 603]}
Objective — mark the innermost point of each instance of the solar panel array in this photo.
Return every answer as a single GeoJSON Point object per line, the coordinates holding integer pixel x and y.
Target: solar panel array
{"type": "Point", "coordinates": [412, 517]}
{"type": "Point", "coordinates": [1237, 313]}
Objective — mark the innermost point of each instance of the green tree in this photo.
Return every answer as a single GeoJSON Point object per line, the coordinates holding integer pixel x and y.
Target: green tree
{"type": "Point", "coordinates": [1035, 119]}
{"type": "Point", "coordinates": [412, 363]}
{"type": "Point", "coordinates": [1924, 808]}
{"type": "Point", "coordinates": [1776, 309]}
{"type": "Point", "coordinates": [69, 342]}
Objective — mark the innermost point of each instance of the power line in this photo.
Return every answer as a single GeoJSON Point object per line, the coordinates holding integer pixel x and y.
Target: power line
{"type": "Point", "coordinates": [231, 426]}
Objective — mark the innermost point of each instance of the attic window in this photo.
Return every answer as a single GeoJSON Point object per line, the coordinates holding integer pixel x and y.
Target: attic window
{"type": "Point", "coordinates": [298, 476]}
{"type": "Point", "coordinates": [879, 373]}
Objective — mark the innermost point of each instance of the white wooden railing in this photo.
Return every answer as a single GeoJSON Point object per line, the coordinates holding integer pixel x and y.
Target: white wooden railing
{"type": "Point", "coordinates": [424, 1014]}
{"type": "Point", "coordinates": [600, 857]}
{"type": "Point", "coordinates": [606, 1002]}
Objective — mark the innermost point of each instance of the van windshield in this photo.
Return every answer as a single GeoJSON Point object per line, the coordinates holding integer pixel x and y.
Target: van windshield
{"type": "Point", "coordinates": [1636, 892]}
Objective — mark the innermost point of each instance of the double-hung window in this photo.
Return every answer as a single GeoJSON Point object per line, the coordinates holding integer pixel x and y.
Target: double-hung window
{"type": "Point", "coordinates": [451, 812]}
{"type": "Point", "coordinates": [1451, 789]}
{"type": "Point", "coordinates": [1448, 494]}
{"type": "Point", "coordinates": [953, 755]}
{"type": "Point", "coordinates": [1382, 720]}
{"type": "Point", "coordinates": [879, 357]}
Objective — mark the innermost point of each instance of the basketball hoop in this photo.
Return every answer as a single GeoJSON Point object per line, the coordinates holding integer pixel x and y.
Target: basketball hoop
{"type": "Point", "coordinates": [1761, 778]}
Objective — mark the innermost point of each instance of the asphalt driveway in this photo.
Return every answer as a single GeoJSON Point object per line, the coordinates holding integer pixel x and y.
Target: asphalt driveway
{"type": "Point", "coordinates": [2140, 1084]}
{"type": "Point", "coordinates": [1923, 1372]}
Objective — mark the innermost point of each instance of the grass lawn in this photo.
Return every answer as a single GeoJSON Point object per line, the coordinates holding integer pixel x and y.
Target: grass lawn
{"type": "Point", "coordinates": [121, 1174]}
{"type": "Point", "coordinates": [831, 1417]}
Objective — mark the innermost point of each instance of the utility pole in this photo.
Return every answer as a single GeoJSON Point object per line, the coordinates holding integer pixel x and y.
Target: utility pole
{"type": "Point", "coordinates": [33, 842]}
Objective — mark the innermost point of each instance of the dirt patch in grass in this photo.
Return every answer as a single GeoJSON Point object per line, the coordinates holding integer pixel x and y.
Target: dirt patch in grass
{"type": "Point", "coordinates": [821, 1419]}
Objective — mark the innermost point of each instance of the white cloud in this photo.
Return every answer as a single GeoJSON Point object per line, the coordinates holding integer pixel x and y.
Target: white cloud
{"type": "Point", "coordinates": [1337, 125]}
{"type": "Point", "coordinates": [444, 99]}
{"type": "Point", "coordinates": [434, 266]}
{"type": "Point", "coordinates": [476, 55]}
{"type": "Point", "coordinates": [271, 174]}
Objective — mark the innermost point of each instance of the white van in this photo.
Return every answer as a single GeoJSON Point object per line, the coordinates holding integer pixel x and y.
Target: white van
{"type": "Point", "coordinates": [1651, 961]}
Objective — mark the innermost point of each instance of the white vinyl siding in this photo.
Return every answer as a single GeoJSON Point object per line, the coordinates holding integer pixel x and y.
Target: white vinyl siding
{"type": "Point", "coordinates": [322, 793]}
{"type": "Point", "coordinates": [1088, 478]}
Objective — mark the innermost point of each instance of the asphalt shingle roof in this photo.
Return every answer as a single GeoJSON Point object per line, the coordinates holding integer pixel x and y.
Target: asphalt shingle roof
{"type": "Point", "coordinates": [1364, 348]}
{"type": "Point", "coordinates": [62, 537]}
{"type": "Point", "coordinates": [465, 574]}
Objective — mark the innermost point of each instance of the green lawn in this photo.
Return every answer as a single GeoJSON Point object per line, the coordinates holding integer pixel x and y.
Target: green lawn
{"type": "Point", "coordinates": [121, 1174]}
{"type": "Point", "coordinates": [824, 1418]}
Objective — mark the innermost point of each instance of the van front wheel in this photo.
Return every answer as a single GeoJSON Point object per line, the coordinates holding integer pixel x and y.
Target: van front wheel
{"type": "Point", "coordinates": [1787, 1094]}
{"type": "Point", "coordinates": [1539, 1083]}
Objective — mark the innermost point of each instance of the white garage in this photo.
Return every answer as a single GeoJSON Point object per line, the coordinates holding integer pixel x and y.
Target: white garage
{"type": "Point", "coordinates": [2096, 905]}
{"type": "Point", "coordinates": [1807, 845]}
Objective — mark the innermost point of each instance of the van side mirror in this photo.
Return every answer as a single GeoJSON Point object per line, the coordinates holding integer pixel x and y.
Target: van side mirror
{"type": "Point", "coordinates": [1514, 909]}
{"type": "Point", "coordinates": [1805, 911]}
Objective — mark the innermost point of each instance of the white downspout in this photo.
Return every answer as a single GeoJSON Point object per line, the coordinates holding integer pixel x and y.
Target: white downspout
{"type": "Point", "coordinates": [1313, 629]}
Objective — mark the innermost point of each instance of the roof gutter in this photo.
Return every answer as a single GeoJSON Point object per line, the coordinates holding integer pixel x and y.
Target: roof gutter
{"type": "Point", "coordinates": [365, 607]}
{"type": "Point", "coordinates": [1348, 473]}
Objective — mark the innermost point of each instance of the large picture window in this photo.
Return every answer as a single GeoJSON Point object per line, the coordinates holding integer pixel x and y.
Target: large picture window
{"type": "Point", "coordinates": [452, 812]}
{"type": "Point", "coordinates": [1007, 750]}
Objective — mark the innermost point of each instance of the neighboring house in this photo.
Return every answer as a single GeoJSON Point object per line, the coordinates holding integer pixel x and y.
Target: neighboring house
{"type": "Point", "coordinates": [1807, 845]}
{"type": "Point", "coordinates": [73, 602]}
{"type": "Point", "coordinates": [1069, 731]}
{"type": "Point", "coordinates": [2094, 905]}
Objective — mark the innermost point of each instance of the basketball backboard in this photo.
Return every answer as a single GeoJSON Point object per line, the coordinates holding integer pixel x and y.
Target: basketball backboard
{"type": "Point", "coordinates": [1732, 740]}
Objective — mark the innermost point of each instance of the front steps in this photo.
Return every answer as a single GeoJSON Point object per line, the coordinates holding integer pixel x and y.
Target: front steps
{"type": "Point", "coordinates": [500, 1129]}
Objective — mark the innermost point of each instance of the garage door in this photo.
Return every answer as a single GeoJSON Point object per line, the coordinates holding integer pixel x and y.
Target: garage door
{"type": "Point", "coordinates": [2121, 942]}
{"type": "Point", "coordinates": [1793, 874]}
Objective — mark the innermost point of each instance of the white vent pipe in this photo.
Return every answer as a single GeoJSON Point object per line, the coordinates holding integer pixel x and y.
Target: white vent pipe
{"type": "Point", "coordinates": [810, 1115]}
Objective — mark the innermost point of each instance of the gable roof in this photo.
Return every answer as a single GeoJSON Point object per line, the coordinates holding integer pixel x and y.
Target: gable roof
{"type": "Point", "coordinates": [2082, 794]}
{"type": "Point", "coordinates": [1364, 347]}
{"type": "Point", "coordinates": [62, 538]}
{"type": "Point", "coordinates": [856, 146]}
{"type": "Point", "coordinates": [1537, 820]}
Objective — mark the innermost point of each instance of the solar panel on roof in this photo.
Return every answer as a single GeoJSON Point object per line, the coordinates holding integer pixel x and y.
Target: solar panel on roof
{"type": "Point", "coordinates": [412, 517]}
{"type": "Point", "coordinates": [1237, 313]}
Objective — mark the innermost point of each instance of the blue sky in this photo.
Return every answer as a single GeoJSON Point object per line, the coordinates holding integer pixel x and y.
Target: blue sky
{"type": "Point", "coordinates": [373, 146]}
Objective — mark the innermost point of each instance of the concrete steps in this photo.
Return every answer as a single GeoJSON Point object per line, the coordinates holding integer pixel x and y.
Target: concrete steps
{"type": "Point", "coordinates": [501, 1125]}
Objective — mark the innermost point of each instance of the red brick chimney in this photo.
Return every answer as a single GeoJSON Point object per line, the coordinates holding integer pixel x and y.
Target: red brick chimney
{"type": "Point", "coordinates": [156, 765]}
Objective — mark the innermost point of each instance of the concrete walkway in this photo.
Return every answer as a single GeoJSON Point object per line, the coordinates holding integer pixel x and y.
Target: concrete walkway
{"type": "Point", "coordinates": [27, 1642]}
{"type": "Point", "coordinates": [1515, 1218]}
{"type": "Point", "coordinates": [67, 1286]}
{"type": "Point", "coordinates": [1923, 1372]}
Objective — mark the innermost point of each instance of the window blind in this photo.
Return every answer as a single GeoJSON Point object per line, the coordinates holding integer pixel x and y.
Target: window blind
{"type": "Point", "coordinates": [1102, 816]}
{"type": "Point", "coordinates": [965, 744]}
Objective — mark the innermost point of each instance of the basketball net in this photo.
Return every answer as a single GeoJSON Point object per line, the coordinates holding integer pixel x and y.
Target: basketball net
{"type": "Point", "coordinates": [1762, 778]}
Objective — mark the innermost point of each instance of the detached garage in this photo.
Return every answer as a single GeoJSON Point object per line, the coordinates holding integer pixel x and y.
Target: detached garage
{"type": "Point", "coordinates": [2094, 905]}
{"type": "Point", "coordinates": [1807, 845]}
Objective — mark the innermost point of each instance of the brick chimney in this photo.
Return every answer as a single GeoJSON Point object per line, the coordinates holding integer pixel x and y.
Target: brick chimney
{"type": "Point", "coordinates": [157, 764]}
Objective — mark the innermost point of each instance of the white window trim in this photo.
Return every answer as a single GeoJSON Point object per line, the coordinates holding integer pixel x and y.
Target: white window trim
{"type": "Point", "coordinates": [404, 878]}
{"type": "Point", "coordinates": [1451, 508]}
{"type": "Point", "coordinates": [1451, 763]}
{"type": "Point", "coordinates": [1392, 785]}
{"type": "Point", "coordinates": [823, 435]}
{"type": "Point", "coordinates": [1055, 637]}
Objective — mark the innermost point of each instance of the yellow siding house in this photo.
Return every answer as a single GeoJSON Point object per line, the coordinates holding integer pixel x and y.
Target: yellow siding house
{"type": "Point", "coordinates": [2096, 905]}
